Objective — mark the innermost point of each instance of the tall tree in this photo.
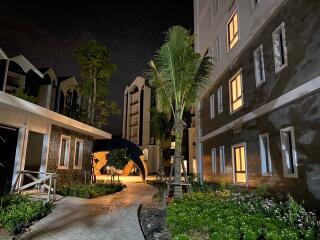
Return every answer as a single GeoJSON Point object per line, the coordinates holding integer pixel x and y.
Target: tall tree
{"type": "Point", "coordinates": [179, 75]}
{"type": "Point", "coordinates": [96, 69]}
{"type": "Point", "coordinates": [160, 127]}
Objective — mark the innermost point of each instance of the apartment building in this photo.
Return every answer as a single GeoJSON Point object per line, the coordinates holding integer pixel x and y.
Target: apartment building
{"type": "Point", "coordinates": [136, 121]}
{"type": "Point", "coordinates": [258, 123]}
{"type": "Point", "coordinates": [36, 129]}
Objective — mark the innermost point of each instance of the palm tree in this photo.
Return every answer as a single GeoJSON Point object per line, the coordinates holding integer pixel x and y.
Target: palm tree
{"type": "Point", "coordinates": [179, 75]}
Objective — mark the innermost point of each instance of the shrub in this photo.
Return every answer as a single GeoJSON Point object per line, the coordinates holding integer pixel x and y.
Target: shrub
{"type": "Point", "coordinates": [18, 211]}
{"type": "Point", "coordinates": [88, 191]}
{"type": "Point", "coordinates": [228, 214]}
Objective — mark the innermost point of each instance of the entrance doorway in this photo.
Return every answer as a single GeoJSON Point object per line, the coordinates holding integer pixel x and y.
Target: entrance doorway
{"type": "Point", "coordinates": [34, 151]}
{"type": "Point", "coordinates": [8, 145]}
{"type": "Point", "coordinates": [239, 161]}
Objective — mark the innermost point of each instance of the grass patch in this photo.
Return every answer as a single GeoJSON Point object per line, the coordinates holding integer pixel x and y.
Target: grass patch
{"type": "Point", "coordinates": [89, 190]}
{"type": "Point", "coordinates": [221, 213]}
{"type": "Point", "coordinates": [18, 211]}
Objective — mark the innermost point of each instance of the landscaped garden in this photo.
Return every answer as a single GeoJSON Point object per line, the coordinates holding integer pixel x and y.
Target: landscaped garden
{"type": "Point", "coordinates": [17, 212]}
{"type": "Point", "coordinates": [89, 191]}
{"type": "Point", "coordinates": [226, 213]}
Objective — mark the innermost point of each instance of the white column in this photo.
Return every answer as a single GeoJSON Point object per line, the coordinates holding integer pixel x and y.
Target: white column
{"type": "Point", "coordinates": [21, 149]}
{"type": "Point", "coordinates": [199, 147]}
{"type": "Point", "coordinates": [45, 151]}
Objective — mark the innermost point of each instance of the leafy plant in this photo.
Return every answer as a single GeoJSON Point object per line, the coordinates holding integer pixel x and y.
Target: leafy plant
{"type": "Point", "coordinates": [228, 214]}
{"type": "Point", "coordinates": [18, 211]}
{"type": "Point", "coordinates": [118, 158]}
{"type": "Point", "coordinates": [89, 191]}
{"type": "Point", "coordinates": [179, 75]}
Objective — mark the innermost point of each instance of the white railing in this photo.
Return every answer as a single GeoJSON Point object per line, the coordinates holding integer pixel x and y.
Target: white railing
{"type": "Point", "coordinates": [38, 179]}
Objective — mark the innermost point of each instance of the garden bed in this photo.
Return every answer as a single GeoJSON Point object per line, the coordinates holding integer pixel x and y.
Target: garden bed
{"type": "Point", "coordinates": [229, 214]}
{"type": "Point", "coordinates": [18, 212]}
{"type": "Point", "coordinates": [89, 190]}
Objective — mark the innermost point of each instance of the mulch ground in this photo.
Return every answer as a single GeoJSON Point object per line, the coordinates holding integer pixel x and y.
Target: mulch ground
{"type": "Point", "coordinates": [152, 217]}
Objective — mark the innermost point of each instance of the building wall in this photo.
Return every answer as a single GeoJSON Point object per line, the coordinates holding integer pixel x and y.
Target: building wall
{"type": "Point", "coordinates": [69, 175]}
{"type": "Point", "coordinates": [301, 20]}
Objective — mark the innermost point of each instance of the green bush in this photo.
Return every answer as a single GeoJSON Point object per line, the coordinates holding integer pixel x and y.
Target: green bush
{"type": "Point", "coordinates": [226, 214]}
{"type": "Point", "coordinates": [88, 191]}
{"type": "Point", "coordinates": [17, 210]}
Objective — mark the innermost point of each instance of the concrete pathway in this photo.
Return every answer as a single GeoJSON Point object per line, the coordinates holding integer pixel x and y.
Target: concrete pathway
{"type": "Point", "coordinates": [111, 217]}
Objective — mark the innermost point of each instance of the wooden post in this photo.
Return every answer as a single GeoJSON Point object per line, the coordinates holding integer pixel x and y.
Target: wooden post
{"type": "Point", "coordinates": [49, 190]}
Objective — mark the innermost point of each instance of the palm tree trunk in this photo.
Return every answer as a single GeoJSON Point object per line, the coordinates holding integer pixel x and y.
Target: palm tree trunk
{"type": "Point", "coordinates": [178, 155]}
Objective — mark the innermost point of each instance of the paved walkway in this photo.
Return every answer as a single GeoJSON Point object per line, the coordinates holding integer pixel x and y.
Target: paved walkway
{"type": "Point", "coordinates": [112, 217]}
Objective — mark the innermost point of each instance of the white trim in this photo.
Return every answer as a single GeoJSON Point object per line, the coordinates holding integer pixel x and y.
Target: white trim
{"type": "Point", "coordinates": [3, 55]}
{"type": "Point", "coordinates": [213, 160]}
{"type": "Point", "coordinates": [67, 152]}
{"type": "Point", "coordinates": [277, 31]}
{"type": "Point", "coordinates": [259, 53]}
{"type": "Point", "coordinates": [295, 94]}
{"type": "Point", "coordinates": [20, 105]}
{"type": "Point", "coordinates": [79, 166]}
{"type": "Point", "coordinates": [212, 107]}
{"type": "Point", "coordinates": [266, 135]}
{"type": "Point", "coordinates": [220, 100]}
{"type": "Point", "coordinates": [294, 153]}
{"type": "Point", "coordinates": [45, 150]}
{"type": "Point", "coordinates": [239, 72]}
{"type": "Point", "coordinates": [243, 144]}
{"type": "Point", "coordinates": [222, 157]}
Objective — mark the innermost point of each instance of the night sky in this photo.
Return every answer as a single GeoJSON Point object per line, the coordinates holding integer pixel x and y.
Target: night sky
{"type": "Point", "coordinates": [46, 33]}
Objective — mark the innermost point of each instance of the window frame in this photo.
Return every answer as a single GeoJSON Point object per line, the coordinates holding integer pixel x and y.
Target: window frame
{"type": "Point", "coordinates": [269, 173]}
{"type": "Point", "coordinates": [67, 152]}
{"type": "Point", "coordinates": [286, 172]}
{"type": "Point", "coordinates": [220, 100]}
{"type": "Point", "coordinates": [212, 107]}
{"type": "Point", "coordinates": [231, 19]}
{"type": "Point", "coordinates": [213, 160]}
{"type": "Point", "coordinates": [79, 166]}
{"type": "Point", "coordinates": [277, 31]}
{"type": "Point", "coordinates": [230, 92]}
{"type": "Point", "coordinates": [222, 160]}
{"type": "Point", "coordinates": [262, 74]}
{"type": "Point", "coordinates": [218, 48]}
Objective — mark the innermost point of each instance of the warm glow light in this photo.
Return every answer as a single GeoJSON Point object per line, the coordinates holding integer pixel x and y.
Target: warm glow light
{"type": "Point", "coordinates": [173, 145]}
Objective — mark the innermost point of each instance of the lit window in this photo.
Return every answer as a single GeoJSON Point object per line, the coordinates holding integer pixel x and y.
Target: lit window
{"type": "Point", "coordinates": [289, 155]}
{"type": "Point", "coordinates": [239, 163]}
{"type": "Point", "coordinates": [266, 167]}
{"type": "Point", "coordinates": [233, 30]}
{"type": "Point", "coordinates": [220, 101]}
{"type": "Point", "coordinates": [259, 66]}
{"type": "Point", "coordinates": [212, 108]}
{"type": "Point", "coordinates": [279, 48]}
{"type": "Point", "coordinates": [236, 95]}
{"type": "Point", "coordinates": [222, 160]}
{"type": "Point", "coordinates": [78, 152]}
{"type": "Point", "coordinates": [64, 152]}
{"type": "Point", "coordinates": [213, 160]}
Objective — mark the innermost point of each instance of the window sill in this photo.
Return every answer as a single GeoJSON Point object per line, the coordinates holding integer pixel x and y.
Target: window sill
{"type": "Point", "coordinates": [76, 167]}
{"type": "Point", "coordinates": [63, 167]}
{"type": "Point", "coordinates": [279, 69]}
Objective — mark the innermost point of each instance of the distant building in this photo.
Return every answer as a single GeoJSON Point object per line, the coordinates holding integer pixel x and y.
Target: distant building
{"type": "Point", "coordinates": [39, 134]}
{"type": "Point", "coordinates": [258, 123]}
{"type": "Point", "coordinates": [138, 99]}
{"type": "Point", "coordinates": [136, 121]}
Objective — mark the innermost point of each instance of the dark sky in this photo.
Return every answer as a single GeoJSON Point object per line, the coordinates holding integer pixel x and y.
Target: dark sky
{"type": "Point", "coordinates": [46, 32]}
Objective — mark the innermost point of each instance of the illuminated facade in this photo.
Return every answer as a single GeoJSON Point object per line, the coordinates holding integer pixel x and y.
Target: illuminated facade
{"type": "Point", "coordinates": [258, 123]}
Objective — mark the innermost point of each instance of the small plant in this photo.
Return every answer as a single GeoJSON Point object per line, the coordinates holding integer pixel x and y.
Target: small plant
{"type": "Point", "coordinates": [18, 211]}
{"type": "Point", "coordinates": [89, 191]}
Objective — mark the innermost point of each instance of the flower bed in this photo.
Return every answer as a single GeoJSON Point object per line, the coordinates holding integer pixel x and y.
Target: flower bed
{"type": "Point", "coordinates": [89, 190]}
{"type": "Point", "coordinates": [226, 214]}
{"type": "Point", "coordinates": [16, 212]}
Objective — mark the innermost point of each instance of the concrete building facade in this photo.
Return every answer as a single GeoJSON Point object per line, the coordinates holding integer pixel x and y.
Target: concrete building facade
{"type": "Point", "coordinates": [257, 125]}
